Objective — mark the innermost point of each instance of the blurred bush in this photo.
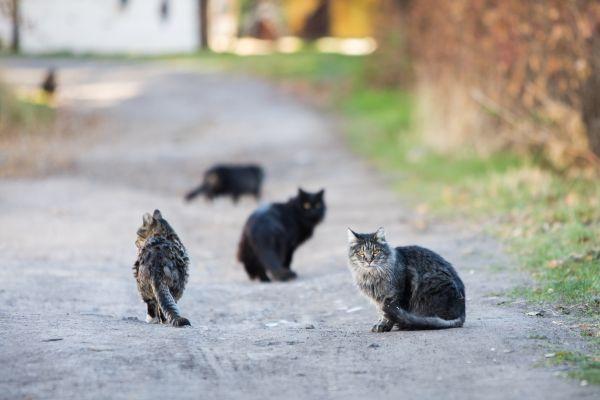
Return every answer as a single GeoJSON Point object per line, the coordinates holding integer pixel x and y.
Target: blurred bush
{"type": "Point", "coordinates": [19, 115]}
{"type": "Point", "coordinates": [499, 74]}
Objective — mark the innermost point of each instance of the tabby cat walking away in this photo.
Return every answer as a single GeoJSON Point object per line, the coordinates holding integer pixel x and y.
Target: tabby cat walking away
{"type": "Point", "coordinates": [161, 269]}
{"type": "Point", "coordinates": [414, 288]}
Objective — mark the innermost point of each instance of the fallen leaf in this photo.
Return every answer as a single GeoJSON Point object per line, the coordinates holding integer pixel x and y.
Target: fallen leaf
{"type": "Point", "coordinates": [554, 263]}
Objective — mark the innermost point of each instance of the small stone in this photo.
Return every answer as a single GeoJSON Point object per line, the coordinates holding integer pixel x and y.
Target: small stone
{"type": "Point", "coordinates": [539, 313]}
{"type": "Point", "coordinates": [583, 383]}
{"type": "Point", "coordinates": [353, 309]}
{"type": "Point", "coordinates": [309, 326]}
{"type": "Point", "coordinates": [550, 355]}
{"type": "Point", "coordinates": [373, 346]}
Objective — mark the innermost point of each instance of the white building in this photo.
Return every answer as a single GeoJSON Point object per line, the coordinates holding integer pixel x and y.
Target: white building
{"type": "Point", "coordinates": [109, 26]}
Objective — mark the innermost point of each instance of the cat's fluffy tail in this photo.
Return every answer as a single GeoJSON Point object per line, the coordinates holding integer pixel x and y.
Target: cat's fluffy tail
{"type": "Point", "coordinates": [412, 321]}
{"type": "Point", "coordinates": [167, 305]}
{"type": "Point", "coordinates": [195, 193]}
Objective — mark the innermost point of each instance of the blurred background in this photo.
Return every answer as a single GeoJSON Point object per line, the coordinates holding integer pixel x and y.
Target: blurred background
{"type": "Point", "coordinates": [493, 74]}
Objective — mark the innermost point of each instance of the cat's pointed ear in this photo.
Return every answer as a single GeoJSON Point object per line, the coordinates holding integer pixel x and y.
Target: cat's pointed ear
{"type": "Point", "coordinates": [301, 192]}
{"type": "Point", "coordinates": [320, 193]}
{"type": "Point", "coordinates": [157, 215]}
{"type": "Point", "coordinates": [380, 235]}
{"type": "Point", "coordinates": [352, 236]}
{"type": "Point", "coordinates": [147, 219]}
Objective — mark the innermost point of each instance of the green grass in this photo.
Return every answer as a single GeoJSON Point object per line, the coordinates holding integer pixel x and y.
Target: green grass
{"type": "Point", "coordinates": [20, 115]}
{"type": "Point", "coordinates": [584, 367]}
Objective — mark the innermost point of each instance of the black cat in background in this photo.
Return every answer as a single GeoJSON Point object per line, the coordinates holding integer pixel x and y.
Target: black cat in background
{"type": "Point", "coordinates": [273, 232]}
{"type": "Point", "coordinates": [229, 180]}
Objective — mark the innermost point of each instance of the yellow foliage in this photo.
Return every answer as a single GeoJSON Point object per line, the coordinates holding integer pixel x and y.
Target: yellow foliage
{"type": "Point", "coordinates": [349, 18]}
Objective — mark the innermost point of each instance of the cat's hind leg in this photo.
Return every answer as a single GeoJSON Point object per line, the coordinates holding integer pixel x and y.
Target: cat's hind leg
{"type": "Point", "coordinates": [251, 264]}
{"type": "Point", "coordinates": [153, 312]}
{"type": "Point", "coordinates": [269, 264]}
{"type": "Point", "coordinates": [272, 265]}
{"type": "Point", "coordinates": [288, 259]}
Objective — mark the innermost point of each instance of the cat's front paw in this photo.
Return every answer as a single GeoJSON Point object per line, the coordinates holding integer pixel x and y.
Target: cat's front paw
{"type": "Point", "coordinates": [383, 325]}
{"type": "Point", "coordinates": [179, 322]}
{"type": "Point", "coordinates": [152, 320]}
{"type": "Point", "coordinates": [285, 275]}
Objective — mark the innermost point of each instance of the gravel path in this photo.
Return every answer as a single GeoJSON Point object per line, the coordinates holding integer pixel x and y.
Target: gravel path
{"type": "Point", "coordinates": [71, 321]}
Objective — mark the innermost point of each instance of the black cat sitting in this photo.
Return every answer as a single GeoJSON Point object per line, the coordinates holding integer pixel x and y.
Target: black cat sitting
{"type": "Point", "coordinates": [229, 180]}
{"type": "Point", "coordinates": [273, 232]}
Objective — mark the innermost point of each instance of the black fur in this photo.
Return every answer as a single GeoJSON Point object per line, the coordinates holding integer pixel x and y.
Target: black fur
{"type": "Point", "coordinates": [229, 180]}
{"type": "Point", "coordinates": [272, 233]}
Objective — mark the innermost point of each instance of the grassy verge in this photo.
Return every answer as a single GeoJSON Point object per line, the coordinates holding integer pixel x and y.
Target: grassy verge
{"type": "Point", "coordinates": [583, 367]}
{"type": "Point", "coordinates": [19, 115]}
{"type": "Point", "coordinates": [28, 136]}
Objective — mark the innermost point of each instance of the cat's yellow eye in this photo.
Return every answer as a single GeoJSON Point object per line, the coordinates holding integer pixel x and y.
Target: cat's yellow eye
{"type": "Point", "coordinates": [375, 252]}
{"type": "Point", "coordinates": [306, 206]}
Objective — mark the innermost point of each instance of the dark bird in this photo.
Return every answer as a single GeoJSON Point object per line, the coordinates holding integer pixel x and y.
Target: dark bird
{"type": "Point", "coordinates": [229, 180]}
{"type": "Point", "coordinates": [49, 84]}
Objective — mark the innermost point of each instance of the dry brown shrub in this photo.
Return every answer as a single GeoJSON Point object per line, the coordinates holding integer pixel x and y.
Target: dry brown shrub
{"type": "Point", "coordinates": [508, 74]}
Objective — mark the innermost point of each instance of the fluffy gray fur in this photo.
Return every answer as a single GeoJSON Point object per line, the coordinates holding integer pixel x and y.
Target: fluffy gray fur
{"type": "Point", "coordinates": [413, 288]}
{"type": "Point", "coordinates": [161, 269]}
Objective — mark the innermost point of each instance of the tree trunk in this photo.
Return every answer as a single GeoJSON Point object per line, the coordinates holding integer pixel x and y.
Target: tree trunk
{"type": "Point", "coordinates": [317, 24]}
{"type": "Point", "coordinates": [15, 44]}
{"type": "Point", "coordinates": [203, 21]}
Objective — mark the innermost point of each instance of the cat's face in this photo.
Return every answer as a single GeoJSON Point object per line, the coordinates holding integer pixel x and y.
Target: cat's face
{"type": "Point", "coordinates": [368, 250]}
{"type": "Point", "coordinates": [152, 225]}
{"type": "Point", "coordinates": [311, 205]}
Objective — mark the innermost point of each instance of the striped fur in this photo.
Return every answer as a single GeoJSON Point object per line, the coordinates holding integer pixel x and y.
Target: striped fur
{"type": "Point", "coordinates": [413, 288]}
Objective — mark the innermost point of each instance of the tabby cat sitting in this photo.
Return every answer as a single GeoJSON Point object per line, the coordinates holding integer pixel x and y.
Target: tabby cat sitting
{"type": "Point", "coordinates": [413, 287]}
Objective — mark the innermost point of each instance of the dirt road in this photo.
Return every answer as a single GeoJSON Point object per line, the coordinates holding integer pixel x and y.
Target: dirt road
{"type": "Point", "coordinates": [71, 320]}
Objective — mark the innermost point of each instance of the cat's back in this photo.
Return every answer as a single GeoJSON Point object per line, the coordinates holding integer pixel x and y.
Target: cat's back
{"type": "Point", "coordinates": [238, 175]}
{"type": "Point", "coordinates": [424, 261]}
{"type": "Point", "coordinates": [269, 218]}
{"type": "Point", "coordinates": [160, 253]}
{"type": "Point", "coordinates": [268, 211]}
